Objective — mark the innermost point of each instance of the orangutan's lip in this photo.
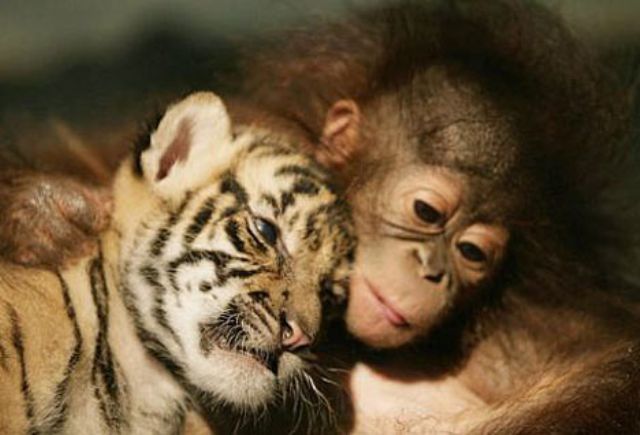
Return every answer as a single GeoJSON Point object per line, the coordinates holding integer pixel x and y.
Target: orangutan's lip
{"type": "Point", "coordinates": [389, 312]}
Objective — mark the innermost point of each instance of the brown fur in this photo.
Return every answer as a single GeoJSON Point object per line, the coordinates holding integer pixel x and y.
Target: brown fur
{"type": "Point", "coordinates": [553, 346]}
{"type": "Point", "coordinates": [49, 220]}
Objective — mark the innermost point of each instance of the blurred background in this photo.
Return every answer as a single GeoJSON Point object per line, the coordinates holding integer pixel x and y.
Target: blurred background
{"type": "Point", "coordinates": [83, 72]}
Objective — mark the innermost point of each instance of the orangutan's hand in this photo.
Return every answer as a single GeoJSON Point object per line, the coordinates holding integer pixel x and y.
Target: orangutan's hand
{"type": "Point", "coordinates": [47, 220]}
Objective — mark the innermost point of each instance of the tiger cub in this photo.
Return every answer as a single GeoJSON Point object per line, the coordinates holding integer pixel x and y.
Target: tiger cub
{"type": "Point", "coordinates": [224, 245]}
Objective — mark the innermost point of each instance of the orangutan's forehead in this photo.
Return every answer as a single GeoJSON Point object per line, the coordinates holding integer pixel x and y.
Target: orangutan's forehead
{"type": "Point", "coordinates": [478, 147]}
{"type": "Point", "coordinates": [458, 123]}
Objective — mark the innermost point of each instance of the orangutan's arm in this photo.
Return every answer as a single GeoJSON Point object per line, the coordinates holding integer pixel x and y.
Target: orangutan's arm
{"type": "Point", "coordinates": [48, 220]}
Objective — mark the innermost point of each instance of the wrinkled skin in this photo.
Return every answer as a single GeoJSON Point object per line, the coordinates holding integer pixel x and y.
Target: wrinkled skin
{"type": "Point", "coordinates": [49, 220]}
{"type": "Point", "coordinates": [429, 240]}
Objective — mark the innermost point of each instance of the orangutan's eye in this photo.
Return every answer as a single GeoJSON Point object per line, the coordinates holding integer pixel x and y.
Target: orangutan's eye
{"type": "Point", "coordinates": [268, 230]}
{"type": "Point", "coordinates": [472, 252]}
{"type": "Point", "coordinates": [427, 213]}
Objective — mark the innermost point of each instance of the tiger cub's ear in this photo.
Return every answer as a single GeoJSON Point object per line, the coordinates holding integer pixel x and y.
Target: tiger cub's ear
{"type": "Point", "coordinates": [192, 143]}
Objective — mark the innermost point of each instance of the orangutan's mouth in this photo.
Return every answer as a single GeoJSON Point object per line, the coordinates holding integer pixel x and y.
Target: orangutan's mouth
{"type": "Point", "coordinates": [389, 312]}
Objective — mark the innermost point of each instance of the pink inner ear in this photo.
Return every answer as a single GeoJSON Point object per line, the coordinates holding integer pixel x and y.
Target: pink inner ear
{"type": "Point", "coordinates": [178, 151]}
{"type": "Point", "coordinates": [338, 120]}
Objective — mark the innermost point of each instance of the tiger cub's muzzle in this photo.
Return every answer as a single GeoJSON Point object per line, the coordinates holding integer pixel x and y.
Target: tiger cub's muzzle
{"type": "Point", "coordinates": [250, 325]}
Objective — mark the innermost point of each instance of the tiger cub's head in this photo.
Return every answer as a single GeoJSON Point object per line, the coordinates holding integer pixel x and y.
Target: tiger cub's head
{"type": "Point", "coordinates": [230, 245]}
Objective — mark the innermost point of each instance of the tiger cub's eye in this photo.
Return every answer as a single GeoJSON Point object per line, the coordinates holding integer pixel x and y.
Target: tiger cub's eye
{"type": "Point", "coordinates": [268, 230]}
{"type": "Point", "coordinates": [426, 212]}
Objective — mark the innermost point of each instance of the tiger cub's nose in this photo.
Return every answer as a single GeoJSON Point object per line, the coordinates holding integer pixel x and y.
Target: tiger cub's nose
{"type": "Point", "coordinates": [292, 336]}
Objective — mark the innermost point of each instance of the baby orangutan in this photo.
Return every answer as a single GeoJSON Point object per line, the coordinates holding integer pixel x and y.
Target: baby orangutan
{"type": "Point", "coordinates": [476, 142]}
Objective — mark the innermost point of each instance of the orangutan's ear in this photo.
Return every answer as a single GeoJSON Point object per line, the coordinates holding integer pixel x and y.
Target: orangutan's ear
{"type": "Point", "coordinates": [341, 138]}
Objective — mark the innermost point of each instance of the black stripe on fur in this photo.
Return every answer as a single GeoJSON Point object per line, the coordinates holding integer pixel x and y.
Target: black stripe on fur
{"type": "Point", "coordinates": [104, 373]}
{"type": "Point", "coordinates": [18, 344]}
{"type": "Point", "coordinates": [59, 408]}
{"type": "Point", "coordinates": [199, 221]}
{"type": "Point", "coordinates": [152, 277]}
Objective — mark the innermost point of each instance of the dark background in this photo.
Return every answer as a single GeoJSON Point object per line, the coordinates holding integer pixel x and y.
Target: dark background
{"type": "Point", "coordinates": [83, 73]}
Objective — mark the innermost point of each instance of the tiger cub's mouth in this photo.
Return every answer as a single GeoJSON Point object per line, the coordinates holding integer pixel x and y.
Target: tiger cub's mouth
{"type": "Point", "coordinates": [264, 357]}
{"type": "Point", "coordinates": [267, 359]}
{"type": "Point", "coordinates": [237, 345]}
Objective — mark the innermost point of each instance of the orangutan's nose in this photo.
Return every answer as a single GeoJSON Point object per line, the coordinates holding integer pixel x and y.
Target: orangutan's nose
{"type": "Point", "coordinates": [435, 277]}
